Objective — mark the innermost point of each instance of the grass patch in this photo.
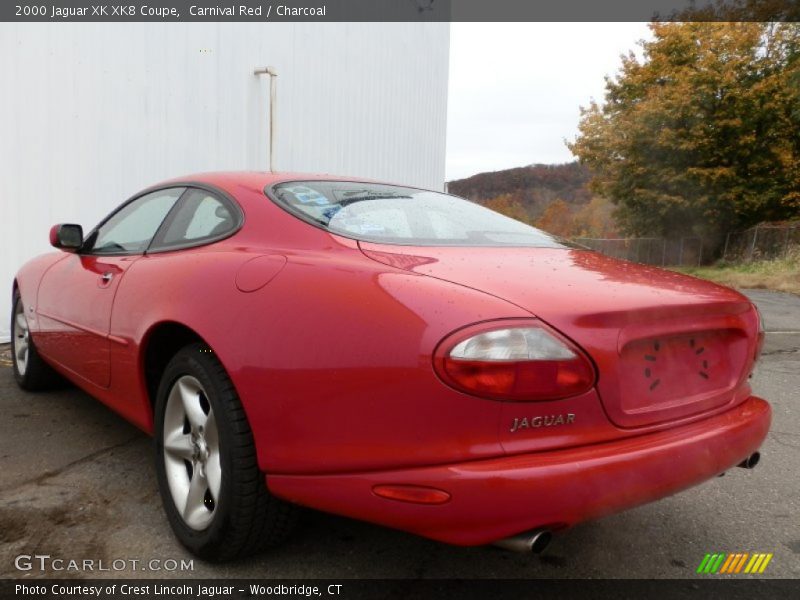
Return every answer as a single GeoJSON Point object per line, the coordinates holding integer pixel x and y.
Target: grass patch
{"type": "Point", "coordinates": [782, 274]}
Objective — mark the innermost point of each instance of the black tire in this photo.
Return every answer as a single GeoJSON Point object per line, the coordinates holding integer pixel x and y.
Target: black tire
{"type": "Point", "coordinates": [38, 374]}
{"type": "Point", "coordinates": [246, 517]}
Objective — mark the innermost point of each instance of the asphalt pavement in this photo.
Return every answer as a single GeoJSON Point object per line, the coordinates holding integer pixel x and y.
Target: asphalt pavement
{"type": "Point", "coordinates": [77, 483]}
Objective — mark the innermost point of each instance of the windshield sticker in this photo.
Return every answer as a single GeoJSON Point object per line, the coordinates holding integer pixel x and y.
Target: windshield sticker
{"type": "Point", "coordinates": [329, 213]}
{"type": "Point", "coordinates": [308, 196]}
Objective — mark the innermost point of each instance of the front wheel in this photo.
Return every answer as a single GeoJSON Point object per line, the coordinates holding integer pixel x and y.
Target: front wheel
{"type": "Point", "coordinates": [213, 492]}
{"type": "Point", "coordinates": [30, 371]}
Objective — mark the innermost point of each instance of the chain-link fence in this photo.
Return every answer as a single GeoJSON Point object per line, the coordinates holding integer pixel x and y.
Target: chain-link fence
{"type": "Point", "coordinates": [651, 251]}
{"type": "Point", "coordinates": [762, 241]}
{"type": "Point", "coordinates": [766, 241]}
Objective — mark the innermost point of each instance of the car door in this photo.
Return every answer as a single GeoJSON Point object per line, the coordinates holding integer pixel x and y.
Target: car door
{"type": "Point", "coordinates": [76, 294]}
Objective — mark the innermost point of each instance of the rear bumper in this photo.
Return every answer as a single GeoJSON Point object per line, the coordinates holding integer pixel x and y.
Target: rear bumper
{"type": "Point", "coordinates": [496, 498]}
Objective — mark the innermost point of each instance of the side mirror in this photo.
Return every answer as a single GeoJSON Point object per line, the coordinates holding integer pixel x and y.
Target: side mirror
{"type": "Point", "coordinates": [66, 237]}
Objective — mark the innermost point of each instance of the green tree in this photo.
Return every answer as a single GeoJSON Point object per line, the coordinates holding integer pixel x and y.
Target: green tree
{"type": "Point", "coordinates": [702, 134]}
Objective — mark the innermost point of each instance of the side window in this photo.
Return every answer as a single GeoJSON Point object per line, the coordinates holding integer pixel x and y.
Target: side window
{"type": "Point", "coordinates": [200, 216]}
{"type": "Point", "coordinates": [131, 228]}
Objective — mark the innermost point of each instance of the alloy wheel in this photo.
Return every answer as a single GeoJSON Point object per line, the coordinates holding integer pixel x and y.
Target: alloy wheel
{"type": "Point", "coordinates": [191, 453]}
{"type": "Point", "coordinates": [22, 338]}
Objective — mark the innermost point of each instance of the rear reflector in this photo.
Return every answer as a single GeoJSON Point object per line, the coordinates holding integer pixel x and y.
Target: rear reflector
{"type": "Point", "coordinates": [416, 494]}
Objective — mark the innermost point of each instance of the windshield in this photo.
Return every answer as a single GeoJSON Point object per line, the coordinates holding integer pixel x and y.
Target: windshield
{"type": "Point", "coordinates": [389, 214]}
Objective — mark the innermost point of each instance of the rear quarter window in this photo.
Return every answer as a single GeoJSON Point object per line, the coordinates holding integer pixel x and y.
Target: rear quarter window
{"type": "Point", "coordinates": [391, 214]}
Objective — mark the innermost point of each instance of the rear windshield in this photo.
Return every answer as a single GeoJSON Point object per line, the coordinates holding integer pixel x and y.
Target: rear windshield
{"type": "Point", "coordinates": [389, 214]}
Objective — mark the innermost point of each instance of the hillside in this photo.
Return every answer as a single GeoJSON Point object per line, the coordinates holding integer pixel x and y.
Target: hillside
{"type": "Point", "coordinates": [534, 187]}
{"type": "Point", "coordinates": [555, 198]}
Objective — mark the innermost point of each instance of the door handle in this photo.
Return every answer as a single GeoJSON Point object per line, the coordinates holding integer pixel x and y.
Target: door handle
{"type": "Point", "coordinates": [107, 277]}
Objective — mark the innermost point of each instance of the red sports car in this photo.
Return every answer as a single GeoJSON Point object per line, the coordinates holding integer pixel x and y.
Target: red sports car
{"type": "Point", "coordinates": [388, 353]}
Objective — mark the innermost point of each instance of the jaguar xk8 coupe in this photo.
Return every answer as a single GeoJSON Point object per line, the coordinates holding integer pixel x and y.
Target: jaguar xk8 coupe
{"type": "Point", "coordinates": [387, 353]}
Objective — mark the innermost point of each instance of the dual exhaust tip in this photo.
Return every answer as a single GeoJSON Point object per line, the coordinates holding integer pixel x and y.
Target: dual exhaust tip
{"type": "Point", "coordinates": [529, 542]}
{"type": "Point", "coordinates": [751, 461]}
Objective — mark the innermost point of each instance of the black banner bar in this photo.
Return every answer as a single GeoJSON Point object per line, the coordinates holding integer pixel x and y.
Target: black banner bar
{"type": "Point", "coordinates": [398, 10]}
{"type": "Point", "coordinates": [377, 589]}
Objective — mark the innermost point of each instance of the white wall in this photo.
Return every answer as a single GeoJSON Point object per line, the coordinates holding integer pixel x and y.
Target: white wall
{"type": "Point", "coordinates": [91, 113]}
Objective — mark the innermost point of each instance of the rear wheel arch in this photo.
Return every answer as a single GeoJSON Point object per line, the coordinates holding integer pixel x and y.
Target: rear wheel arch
{"type": "Point", "coordinates": [162, 343]}
{"type": "Point", "coordinates": [213, 491]}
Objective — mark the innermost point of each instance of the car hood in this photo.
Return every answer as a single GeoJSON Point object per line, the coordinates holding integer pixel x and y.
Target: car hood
{"type": "Point", "coordinates": [623, 314]}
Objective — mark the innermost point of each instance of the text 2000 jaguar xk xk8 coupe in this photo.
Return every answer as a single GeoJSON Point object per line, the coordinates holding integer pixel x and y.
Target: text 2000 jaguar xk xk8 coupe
{"type": "Point", "coordinates": [387, 353]}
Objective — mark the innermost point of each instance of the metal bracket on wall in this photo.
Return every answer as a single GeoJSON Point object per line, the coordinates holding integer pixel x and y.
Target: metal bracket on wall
{"type": "Point", "coordinates": [272, 89]}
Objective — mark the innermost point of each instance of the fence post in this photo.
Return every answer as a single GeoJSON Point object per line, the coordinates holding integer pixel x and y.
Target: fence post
{"type": "Point", "coordinates": [753, 245]}
{"type": "Point", "coordinates": [664, 252]}
{"type": "Point", "coordinates": [680, 254]}
{"type": "Point", "coordinates": [725, 251]}
{"type": "Point", "coordinates": [786, 243]}
{"type": "Point", "coordinates": [700, 254]}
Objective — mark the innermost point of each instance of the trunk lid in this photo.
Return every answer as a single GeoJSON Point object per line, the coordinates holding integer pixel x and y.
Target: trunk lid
{"type": "Point", "coordinates": [666, 346]}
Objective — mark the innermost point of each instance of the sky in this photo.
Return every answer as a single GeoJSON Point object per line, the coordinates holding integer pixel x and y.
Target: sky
{"type": "Point", "coordinates": [516, 89]}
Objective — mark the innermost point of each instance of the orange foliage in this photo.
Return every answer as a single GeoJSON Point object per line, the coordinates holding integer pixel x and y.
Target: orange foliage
{"type": "Point", "coordinates": [595, 220]}
{"type": "Point", "coordinates": [557, 219]}
{"type": "Point", "coordinates": [506, 205]}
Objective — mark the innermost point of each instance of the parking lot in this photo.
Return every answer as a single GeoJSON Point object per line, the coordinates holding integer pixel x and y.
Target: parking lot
{"type": "Point", "coordinates": [76, 482]}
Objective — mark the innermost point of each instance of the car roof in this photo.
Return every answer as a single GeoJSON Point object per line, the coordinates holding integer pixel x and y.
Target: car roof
{"type": "Point", "coordinates": [230, 181]}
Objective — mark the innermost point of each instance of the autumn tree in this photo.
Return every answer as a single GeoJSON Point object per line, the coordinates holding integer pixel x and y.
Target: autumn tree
{"type": "Point", "coordinates": [557, 219]}
{"type": "Point", "coordinates": [506, 205]}
{"type": "Point", "coordinates": [702, 133]}
{"type": "Point", "coordinates": [595, 219]}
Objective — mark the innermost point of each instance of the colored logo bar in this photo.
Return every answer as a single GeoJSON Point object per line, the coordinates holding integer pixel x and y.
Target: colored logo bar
{"type": "Point", "coordinates": [739, 562]}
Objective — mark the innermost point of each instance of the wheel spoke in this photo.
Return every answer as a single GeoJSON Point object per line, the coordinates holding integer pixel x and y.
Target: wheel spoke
{"type": "Point", "coordinates": [213, 465]}
{"type": "Point", "coordinates": [190, 398]}
{"type": "Point", "coordinates": [214, 475]}
{"type": "Point", "coordinates": [211, 435]}
{"type": "Point", "coordinates": [194, 512]}
{"type": "Point", "coordinates": [179, 444]}
{"type": "Point", "coordinates": [22, 323]}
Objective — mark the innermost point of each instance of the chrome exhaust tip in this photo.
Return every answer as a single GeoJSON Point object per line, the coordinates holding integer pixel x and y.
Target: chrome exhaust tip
{"type": "Point", "coordinates": [529, 542]}
{"type": "Point", "coordinates": [751, 461]}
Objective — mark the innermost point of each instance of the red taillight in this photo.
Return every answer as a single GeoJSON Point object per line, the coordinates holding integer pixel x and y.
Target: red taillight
{"type": "Point", "coordinates": [514, 360]}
